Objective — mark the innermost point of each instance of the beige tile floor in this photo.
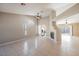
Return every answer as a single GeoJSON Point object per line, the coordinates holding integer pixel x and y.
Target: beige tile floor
{"type": "Point", "coordinates": [37, 46]}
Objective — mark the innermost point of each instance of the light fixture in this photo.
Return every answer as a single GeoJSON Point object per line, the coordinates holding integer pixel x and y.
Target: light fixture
{"type": "Point", "coordinates": [38, 16]}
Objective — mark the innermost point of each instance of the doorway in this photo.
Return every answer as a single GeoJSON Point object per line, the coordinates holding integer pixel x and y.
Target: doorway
{"type": "Point", "coordinates": [66, 32]}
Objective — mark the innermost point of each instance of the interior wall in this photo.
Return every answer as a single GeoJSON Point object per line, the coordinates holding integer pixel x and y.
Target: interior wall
{"type": "Point", "coordinates": [12, 27]}
{"type": "Point", "coordinates": [57, 32]}
{"type": "Point", "coordinates": [75, 28]}
{"type": "Point", "coordinates": [32, 31]}
{"type": "Point", "coordinates": [75, 31]}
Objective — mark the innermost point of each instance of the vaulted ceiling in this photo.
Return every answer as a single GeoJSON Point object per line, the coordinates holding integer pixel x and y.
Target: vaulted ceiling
{"type": "Point", "coordinates": [63, 10]}
{"type": "Point", "coordinates": [34, 8]}
{"type": "Point", "coordinates": [71, 15]}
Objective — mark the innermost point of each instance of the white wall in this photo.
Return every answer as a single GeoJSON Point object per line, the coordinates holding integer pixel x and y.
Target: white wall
{"type": "Point", "coordinates": [12, 26]}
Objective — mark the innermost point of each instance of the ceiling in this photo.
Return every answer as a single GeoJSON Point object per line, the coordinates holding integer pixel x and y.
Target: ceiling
{"type": "Point", "coordinates": [71, 15]}
{"type": "Point", "coordinates": [72, 19]}
{"type": "Point", "coordinates": [60, 7]}
{"type": "Point", "coordinates": [34, 8]}
{"type": "Point", "coordinates": [63, 11]}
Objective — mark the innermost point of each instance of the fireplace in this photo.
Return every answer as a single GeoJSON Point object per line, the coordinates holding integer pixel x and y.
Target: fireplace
{"type": "Point", "coordinates": [52, 35]}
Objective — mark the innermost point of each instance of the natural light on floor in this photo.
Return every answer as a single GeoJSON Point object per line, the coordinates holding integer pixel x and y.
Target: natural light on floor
{"type": "Point", "coordinates": [66, 37]}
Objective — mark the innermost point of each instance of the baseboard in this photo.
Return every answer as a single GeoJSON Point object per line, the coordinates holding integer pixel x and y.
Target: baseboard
{"type": "Point", "coordinates": [10, 42]}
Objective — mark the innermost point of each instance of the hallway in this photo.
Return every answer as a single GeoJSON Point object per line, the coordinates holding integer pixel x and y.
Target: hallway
{"type": "Point", "coordinates": [41, 47]}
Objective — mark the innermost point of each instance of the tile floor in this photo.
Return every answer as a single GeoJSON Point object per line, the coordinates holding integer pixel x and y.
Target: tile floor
{"type": "Point", "coordinates": [37, 46]}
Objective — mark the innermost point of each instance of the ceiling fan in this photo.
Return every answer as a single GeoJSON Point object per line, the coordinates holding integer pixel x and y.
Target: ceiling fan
{"type": "Point", "coordinates": [39, 15]}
